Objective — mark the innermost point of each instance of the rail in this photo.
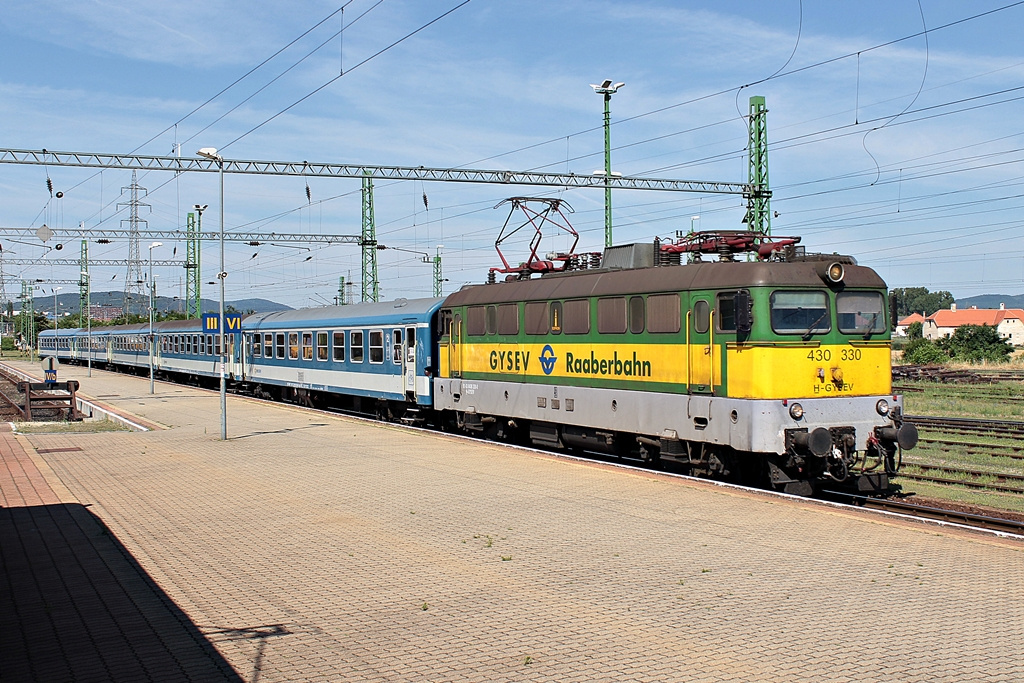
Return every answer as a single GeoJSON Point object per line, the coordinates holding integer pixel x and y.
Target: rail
{"type": "Point", "coordinates": [969, 519]}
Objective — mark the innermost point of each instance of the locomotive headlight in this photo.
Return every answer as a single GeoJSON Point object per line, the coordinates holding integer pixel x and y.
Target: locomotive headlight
{"type": "Point", "coordinates": [882, 407]}
{"type": "Point", "coordinates": [796, 411]}
{"type": "Point", "coordinates": [832, 273]}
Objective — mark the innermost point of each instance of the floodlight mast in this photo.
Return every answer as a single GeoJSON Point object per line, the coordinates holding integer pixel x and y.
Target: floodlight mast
{"type": "Point", "coordinates": [607, 89]}
{"type": "Point", "coordinates": [211, 153]}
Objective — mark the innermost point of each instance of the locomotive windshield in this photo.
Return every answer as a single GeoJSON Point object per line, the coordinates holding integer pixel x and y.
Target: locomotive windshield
{"type": "Point", "coordinates": [800, 312]}
{"type": "Point", "coordinates": [860, 312]}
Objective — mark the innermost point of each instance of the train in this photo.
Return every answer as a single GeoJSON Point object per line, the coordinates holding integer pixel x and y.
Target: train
{"type": "Point", "coordinates": [730, 355]}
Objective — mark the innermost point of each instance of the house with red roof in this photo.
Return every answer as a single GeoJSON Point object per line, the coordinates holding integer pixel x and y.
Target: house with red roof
{"type": "Point", "coordinates": [902, 325]}
{"type": "Point", "coordinates": [1009, 322]}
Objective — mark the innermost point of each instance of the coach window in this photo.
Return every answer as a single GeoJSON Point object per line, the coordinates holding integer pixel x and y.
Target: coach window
{"type": "Point", "coordinates": [663, 313]}
{"type": "Point", "coordinates": [701, 317]}
{"type": "Point", "coordinates": [611, 315]}
{"type": "Point", "coordinates": [396, 346]}
{"type": "Point", "coordinates": [725, 306]}
{"type": "Point", "coordinates": [508, 319]}
{"type": "Point", "coordinates": [555, 317]}
{"type": "Point", "coordinates": [268, 345]}
{"type": "Point", "coordinates": [322, 350]}
{"type": "Point", "coordinates": [202, 345]}
{"type": "Point", "coordinates": [636, 314]}
{"type": "Point", "coordinates": [188, 344]}
{"type": "Point", "coordinates": [536, 317]}
{"type": "Point", "coordinates": [163, 344]}
{"type": "Point", "coordinates": [279, 345]}
{"type": "Point", "coordinates": [217, 344]}
{"type": "Point", "coordinates": [803, 313]}
{"type": "Point", "coordinates": [577, 316]}
{"type": "Point", "coordinates": [356, 346]}
{"type": "Point", "coordinates": [376, 346]}
{"type": "Point", "coordinates": [476, 325]}
{"type": "Point", "coordinates": [339, 346]}
{"type": "Point", "coordinates": [209, 345]}
{"type": "Point", "coordinates": [255, 347]}
{"type": "Point", "coordinates": [492, 319]}
{"type": "Point", "coordinates": [307, 346]}
{"type": "Point", "coordinates": [293, 345]}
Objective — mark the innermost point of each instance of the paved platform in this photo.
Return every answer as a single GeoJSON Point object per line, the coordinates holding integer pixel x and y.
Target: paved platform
{"type": "Point", "coordinates": [320, 548]}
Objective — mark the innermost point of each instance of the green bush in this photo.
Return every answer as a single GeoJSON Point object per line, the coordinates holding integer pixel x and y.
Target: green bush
{"type": "Point", "coordinates": [976, 343]}
{"type": "Point", "coordinates": [923, 352]}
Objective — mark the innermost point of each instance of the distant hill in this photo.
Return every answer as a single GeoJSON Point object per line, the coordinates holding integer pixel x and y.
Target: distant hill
{"type": "Point", "coordinates": [992, 301]}
{"type": "Point", "coordinates": [69, 303]}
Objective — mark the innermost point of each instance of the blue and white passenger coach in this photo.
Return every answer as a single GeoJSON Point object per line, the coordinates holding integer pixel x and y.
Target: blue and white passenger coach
{"type": "Point", "coordinates": [379, 351]}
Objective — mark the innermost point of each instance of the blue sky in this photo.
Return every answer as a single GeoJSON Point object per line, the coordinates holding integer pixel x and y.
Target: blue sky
{"type": "Point", "coordinates": [908, 156]}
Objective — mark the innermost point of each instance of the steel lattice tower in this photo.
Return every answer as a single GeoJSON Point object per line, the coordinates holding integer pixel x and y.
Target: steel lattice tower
{"type": "Point", "coordinates": [369, 244]}
{"type": "Point", "coordinates": [3, 286]}
{"type": "Point", "coordinates": [759, 214]}
{"type": "Point", "coordinates": [134, 291]}
{"type": "Point", "coordinates": [193, 297]}
{"type": "Point", "coordinates": [83, 285]}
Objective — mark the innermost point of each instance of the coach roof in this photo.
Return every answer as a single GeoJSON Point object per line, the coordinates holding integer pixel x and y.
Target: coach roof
{"type": "Point", "coordinates": [399, 311]}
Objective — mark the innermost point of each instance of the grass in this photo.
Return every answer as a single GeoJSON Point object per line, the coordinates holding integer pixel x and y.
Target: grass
{"type": "Point", "coordinates": [997, 401]}
{"type": "Point", "coordinates": [83, 427]}
{"type": "Point", "coordinates": [964, 400]}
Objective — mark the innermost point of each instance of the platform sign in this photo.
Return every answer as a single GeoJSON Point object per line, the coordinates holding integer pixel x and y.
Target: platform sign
{"type": "Point", "coordinates": [50, 365]}
{"type": "Point", "coordinates": [232, 323]}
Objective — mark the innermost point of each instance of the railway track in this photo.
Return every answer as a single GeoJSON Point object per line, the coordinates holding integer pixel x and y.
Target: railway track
{"type": "Point", "coordinates": [963, 477]}
{"type": "Point", "coordinates": [994, 450]}
{"type": "Point", "coordinates": [966, 425]}
{"type": "Point", "coordinates": [969, 519]}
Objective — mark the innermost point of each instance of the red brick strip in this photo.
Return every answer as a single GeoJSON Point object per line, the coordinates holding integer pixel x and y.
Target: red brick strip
{"type": "Point", "coordinates": [22, 484]}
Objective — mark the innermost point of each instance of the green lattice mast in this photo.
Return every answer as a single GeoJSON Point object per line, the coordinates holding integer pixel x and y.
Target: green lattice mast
{"type": "Point", "coordinates": [759, 215]}
{"type": "Point", "coordinates": [193, 253]}
{"type": "Point", "coordinates": [369, 243]}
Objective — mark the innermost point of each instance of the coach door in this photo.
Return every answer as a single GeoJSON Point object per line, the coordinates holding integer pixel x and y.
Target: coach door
{"type": "Point", "coordinates": [410, 362]}
{"type": "Point", "coordinates": [699, 348]}
{"type": "Point", "coordinates": [455, 347]}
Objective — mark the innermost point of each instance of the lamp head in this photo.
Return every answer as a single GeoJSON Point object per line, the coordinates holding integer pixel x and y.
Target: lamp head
{"type": "Point", "coordinates": [210, 153]}
{"type": "Point", "coordinates": [606, 87]}
{"type": "Point", "coordinates": [155, 245]}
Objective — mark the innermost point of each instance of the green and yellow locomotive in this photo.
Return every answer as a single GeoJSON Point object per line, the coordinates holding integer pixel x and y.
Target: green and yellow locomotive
{"type": "Point", "coordinates": [771, 370]}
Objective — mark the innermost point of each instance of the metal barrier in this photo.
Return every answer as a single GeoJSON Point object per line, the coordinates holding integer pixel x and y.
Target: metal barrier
{"type": "Point", "coordinates": [46, 396]}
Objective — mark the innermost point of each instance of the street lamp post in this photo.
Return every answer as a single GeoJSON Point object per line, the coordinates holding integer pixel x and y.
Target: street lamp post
{"type": "Point", "coordinates": [152, 341]}
{"type": "Point", "coordinates": [211, 153]}
{"type": "Point", "coordinates": [607, 89]}
{"type": "Point", "coordinates": [88, 313]}
{"type": "Point", "coordinates": [55, 317]}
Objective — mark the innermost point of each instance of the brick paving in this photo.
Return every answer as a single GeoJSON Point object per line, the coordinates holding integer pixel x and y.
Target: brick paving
{"type": "Point", "coordinates": [319, 548]}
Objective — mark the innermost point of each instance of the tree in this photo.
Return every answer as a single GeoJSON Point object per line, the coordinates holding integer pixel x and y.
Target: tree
{"type": "Point", "coordinates": [915, 331]}
{"type": "Point", "coordinates": [976, 343]}
{"type": "Point", "coordinates": [920, 300]}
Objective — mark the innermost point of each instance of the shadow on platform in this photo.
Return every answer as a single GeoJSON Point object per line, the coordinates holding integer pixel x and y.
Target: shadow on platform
{"type": "Point", "coordinates": [75, 605]}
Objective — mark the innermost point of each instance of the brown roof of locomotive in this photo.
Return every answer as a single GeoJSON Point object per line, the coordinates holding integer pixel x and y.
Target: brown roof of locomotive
{"type": "Point", "coordinates": [714, 275]}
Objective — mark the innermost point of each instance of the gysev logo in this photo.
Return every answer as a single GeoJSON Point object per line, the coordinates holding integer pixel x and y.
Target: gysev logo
{"type": "Point", "coordinates": [547, 359]}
